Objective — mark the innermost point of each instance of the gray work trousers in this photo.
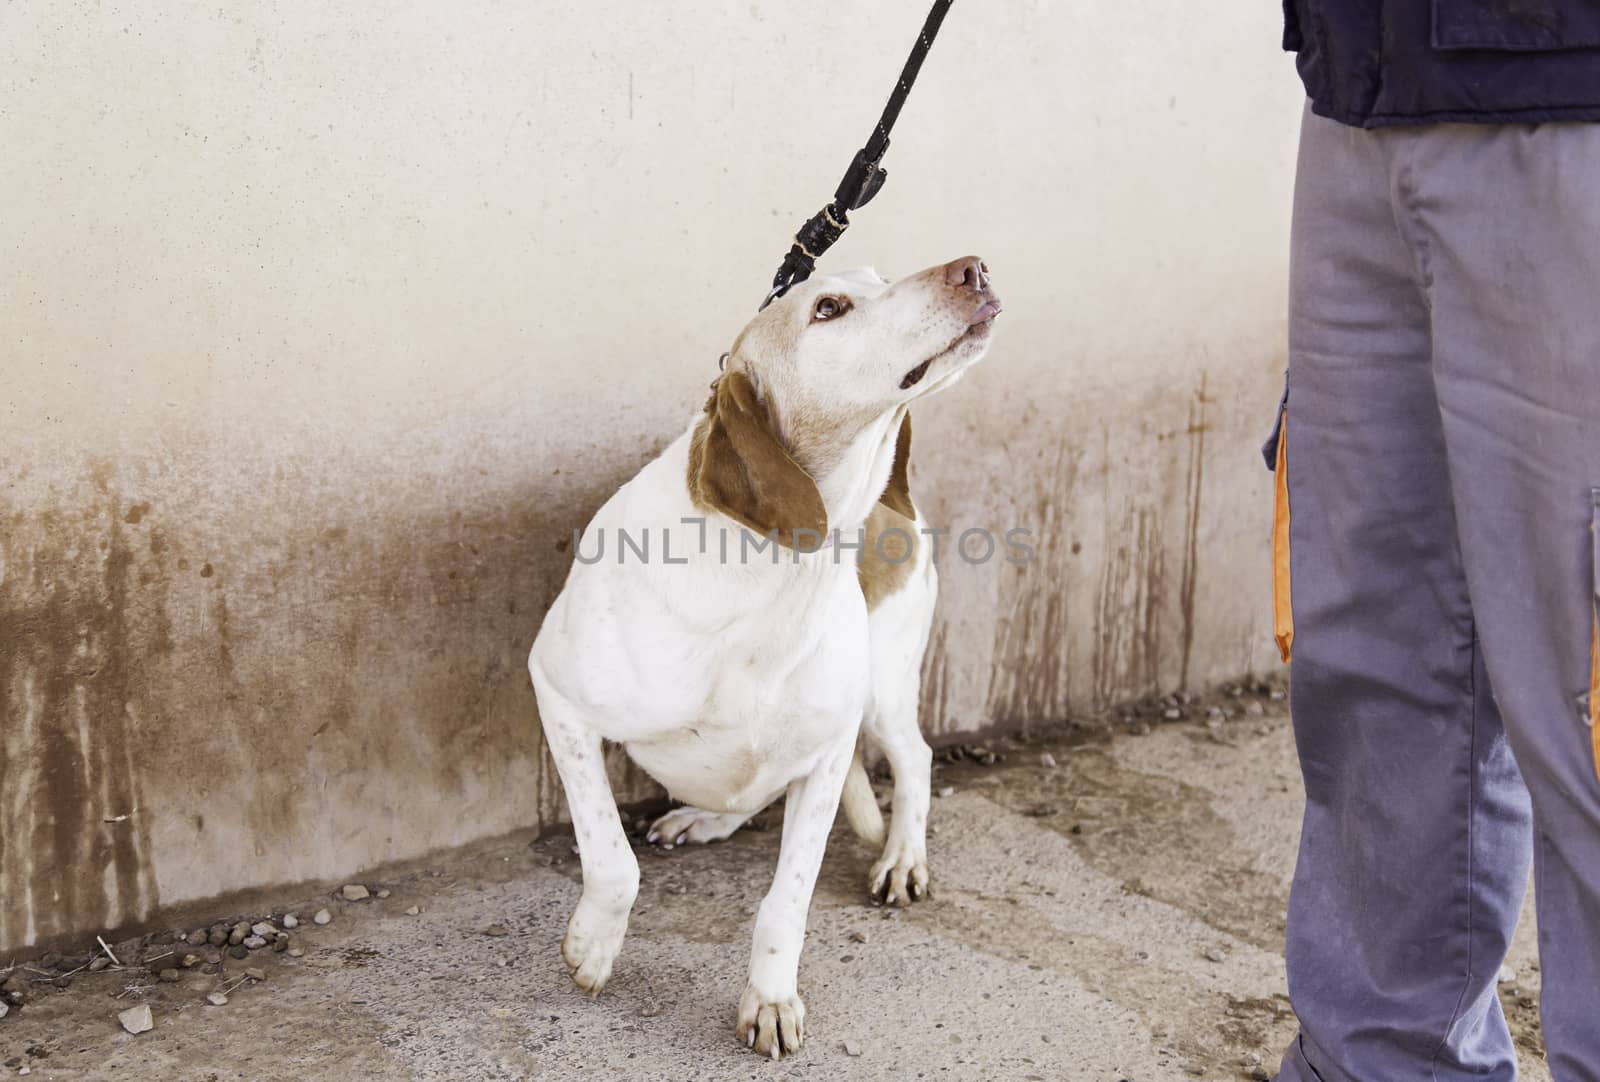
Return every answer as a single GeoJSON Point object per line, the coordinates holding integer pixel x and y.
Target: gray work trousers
{"type": "Point", "coordinates": [1439, 497]}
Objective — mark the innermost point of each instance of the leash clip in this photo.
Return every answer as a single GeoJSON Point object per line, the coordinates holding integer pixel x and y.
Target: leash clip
{"type": "Point", "coordinates": [861, 181]}
{"type": "Point", "coordinates": [814, 238]}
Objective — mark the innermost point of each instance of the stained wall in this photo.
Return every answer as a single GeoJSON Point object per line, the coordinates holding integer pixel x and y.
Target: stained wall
{"type": "Point", "coordinates": [323, 326]}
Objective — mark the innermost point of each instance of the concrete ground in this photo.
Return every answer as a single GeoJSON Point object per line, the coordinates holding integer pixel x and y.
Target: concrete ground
{"type": "Point", "coordinates": [1115, 916]}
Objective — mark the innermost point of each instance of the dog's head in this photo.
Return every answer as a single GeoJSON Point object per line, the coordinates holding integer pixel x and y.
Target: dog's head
{"type": "Point", "coordinates": [822, 368]}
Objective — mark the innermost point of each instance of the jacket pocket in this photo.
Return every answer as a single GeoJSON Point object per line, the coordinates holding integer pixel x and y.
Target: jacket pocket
{"type": "Point", "coordinates": [1276, 453]}
{"type": "Point", "coordinates": [1516, 25]}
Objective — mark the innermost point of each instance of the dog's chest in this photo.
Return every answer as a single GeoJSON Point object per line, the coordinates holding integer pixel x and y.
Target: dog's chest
{"type": "Point", "coordinates": [773, 706]}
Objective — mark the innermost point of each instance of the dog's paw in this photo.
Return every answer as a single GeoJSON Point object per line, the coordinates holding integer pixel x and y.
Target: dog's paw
{"type": "Point", "coordinates": [773, 1026]}
{"type": "Point", "coordinates": [900, 876]}
{"type": "Point", "coordinates": [591, 945]}
{"type": "Point", "coordinates": [692, 826]}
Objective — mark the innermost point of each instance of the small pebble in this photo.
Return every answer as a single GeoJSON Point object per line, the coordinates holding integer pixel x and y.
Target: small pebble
{"type": "Point", "coordinates": [265, 929]}
{"type": "Point", "coordinates": [218, 936]}
{"type": "Point", "coordinates": [198, 936]}
{"type": "Point", "coordinates": [254, 943]}
{"type": "Point", "coordinates": [1173, 714]}
{"type": "Point", "coordinates": [189, 960]}
{"type": "Point", "coordinates": [171, 976]}
{"type": "Point", "coordinates": [1255, 710]}
{"type": "Point", "coordinates": [413, 911]}
{"type": "Point", "coordinates": [1216, 954]}
{"type": "Point", "coordinates": [1047, 760]}
{"type": "Point", "coordinates": [281, 943]}
{"type": "Point", "coordinates": [496, 931]}
{"type": "Point", "coordinates": [240, 952]}
{"type": "Point", "coordinates": [322, 917]}
{"type": "Point", "coordinates": [948, 790]}
{"type": "Point", "coordinates": [4, 1010]}
{"type": "Point", "coordinates": [137, 1020]}
{"type": "Point", "coordinates": [354, 892]}
{"type": "Point", "coordinates": [291, 921]}
{"type": "Point", "coordinates": [851, 1048]}
{"type": "Point", "coordinates": [213, 956]}
{"type": "Point", "coordinates": [858, 937]}
{"type": "Point", "coordinates": [99, 963]}
{"type": "Point", "coordinates": [238, 934]}
{"type": "Point", "coordinates": [296, 952]}
{"type": "Point", "coordinates": [217, 999]}
{"type": "Point", "coordinates": [384, 893]}
{"type": "Point", "coordinates": [256, 974]}
{"type": "Point", "coordinates": [1508, 975]}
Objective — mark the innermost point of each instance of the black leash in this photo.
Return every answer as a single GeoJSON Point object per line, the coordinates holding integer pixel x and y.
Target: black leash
{"type": "Point", "coordinates": [864, 177]}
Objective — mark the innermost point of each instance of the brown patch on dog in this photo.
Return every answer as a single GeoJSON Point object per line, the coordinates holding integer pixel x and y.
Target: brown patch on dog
{"type": "Point", "coordinates": [897, 497]}
{"type": "Point", "coordinates": [739, 468]}
{"type": "Point", "coordinates": [889, 555]}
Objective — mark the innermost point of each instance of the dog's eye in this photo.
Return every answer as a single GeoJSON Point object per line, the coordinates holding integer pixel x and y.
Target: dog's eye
{"type": "Point", "coordinates": [828, 308]}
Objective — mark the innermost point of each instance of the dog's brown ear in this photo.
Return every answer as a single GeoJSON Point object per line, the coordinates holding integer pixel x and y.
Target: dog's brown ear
{"type": "Point", "coordinates": [897, 496]}
{"type": "Point", "coordinates": [738, 467]}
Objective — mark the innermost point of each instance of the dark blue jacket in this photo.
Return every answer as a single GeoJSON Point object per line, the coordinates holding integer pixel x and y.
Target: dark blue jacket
{"type": "Point", "coordinates": [1375, 63]}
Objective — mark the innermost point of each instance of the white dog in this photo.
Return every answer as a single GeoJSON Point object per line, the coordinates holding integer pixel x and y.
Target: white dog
{"type": "Point", "coordinates": [785, 605]}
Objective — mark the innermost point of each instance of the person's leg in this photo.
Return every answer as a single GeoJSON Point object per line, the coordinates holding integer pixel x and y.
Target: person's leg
{"type": "Point", "coordinates": [1416, 842]}
{"type": "Point", "coordinates": [1510, 220]}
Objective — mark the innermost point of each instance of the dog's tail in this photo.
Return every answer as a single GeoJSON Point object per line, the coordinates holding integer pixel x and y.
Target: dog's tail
{"type": "Point", "coordinates": [860, 804]}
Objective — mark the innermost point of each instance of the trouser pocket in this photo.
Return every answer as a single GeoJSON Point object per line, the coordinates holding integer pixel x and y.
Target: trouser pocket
{"type": "Point", "coordinates": [1276, 454]}
{"type": "Point", "coordinates": [1594, 627]}
{"type": "Point", "coordinates": [1545, 26]}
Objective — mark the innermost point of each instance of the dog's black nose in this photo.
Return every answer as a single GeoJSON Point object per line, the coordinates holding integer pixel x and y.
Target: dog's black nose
{"type": "Point", "coordinates": [968, 272]}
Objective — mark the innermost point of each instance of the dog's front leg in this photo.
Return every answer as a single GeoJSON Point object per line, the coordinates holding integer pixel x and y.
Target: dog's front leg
{"type": "Point", "coordinates": [771, 1015]}
{"type": "Point", "coordinates": [900, 875]}
{"type": "Point", "coordinates": [610, 871]}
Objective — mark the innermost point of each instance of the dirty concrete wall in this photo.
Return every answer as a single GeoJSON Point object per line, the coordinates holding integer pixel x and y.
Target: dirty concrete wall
{"type": "Point", "coordinates": [322, 326]}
